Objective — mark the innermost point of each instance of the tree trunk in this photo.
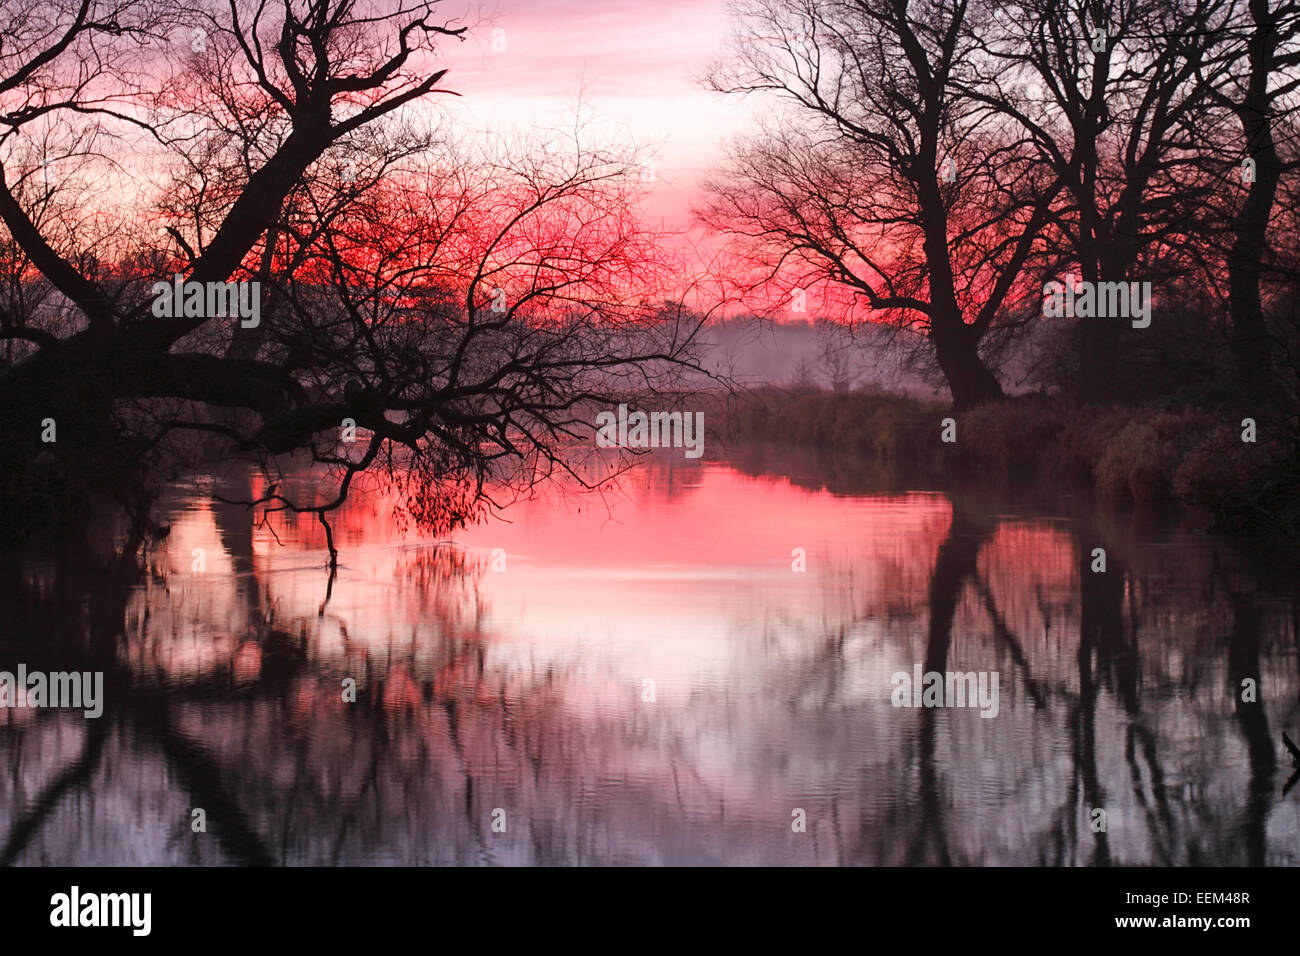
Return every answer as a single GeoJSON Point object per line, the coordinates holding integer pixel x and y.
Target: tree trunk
{"type": "Point", "coordinates": [1099, 345]}
{"type": "Point", "coordinates": [956, 344]}
{"type": "Point", "coordinates": [957, 351]}
{"type": "Point", "coordinates": [1245, 261]}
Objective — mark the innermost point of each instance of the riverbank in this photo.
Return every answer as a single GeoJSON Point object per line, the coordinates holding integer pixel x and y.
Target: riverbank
{"type": "Point", "coordinates": [1238, 470]}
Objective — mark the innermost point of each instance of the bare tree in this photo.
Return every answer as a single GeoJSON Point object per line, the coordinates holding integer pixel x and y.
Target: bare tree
{"type": "Point", "coordinates": [803, 377]}
{"type": "Point", "coordinates": [456, 308]}
{"type": "Point", "coordinates": [835, 356]}
{"type": "Point", "coordinates": [1117, 97]}
{"type": "Point", "coordinates": [882, 176]}
{"type": "Point", "coordinates": [1262, 95]}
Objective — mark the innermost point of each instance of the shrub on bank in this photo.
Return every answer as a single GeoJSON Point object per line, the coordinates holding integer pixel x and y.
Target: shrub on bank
{"type": "Point", "coordinates": [879, 425]}
{"type": "Point", "coordinates": [1141, 454]}
{"type": "Point", "coordinates": [1138, 461]}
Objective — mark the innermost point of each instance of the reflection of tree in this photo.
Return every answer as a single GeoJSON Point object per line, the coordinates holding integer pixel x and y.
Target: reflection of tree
{"type": "Point", "coordinates": [143, 707]}
{"type": "Point", "coordinates": [439, 736]}
{"type": "Point", "coordinates": [1033, 689]}
{"type": "Point", "coordinates": [129, 706]}
{"type": "Point", "coordinates": [235, 526]}
{"type": "Point", "coordinates": [451, 720]}
{"type": "Point", "coordinates": [1243, 662]}
{"type": "Point", "coordinates": [953, 568]}
{"type": "Point", "coordinates": [1074, 655]}
{"type": "Point", "coordinates": [1100, 623]}
{"type": "Point", "coordinates": [74, 777]}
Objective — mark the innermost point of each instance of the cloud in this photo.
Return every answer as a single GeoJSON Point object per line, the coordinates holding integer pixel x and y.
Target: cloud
{"type": "Point", "coordinates": [623, 48]}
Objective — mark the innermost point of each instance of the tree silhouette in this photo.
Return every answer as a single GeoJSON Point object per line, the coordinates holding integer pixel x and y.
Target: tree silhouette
{"type": "Point", "coordinates": [455, 305]}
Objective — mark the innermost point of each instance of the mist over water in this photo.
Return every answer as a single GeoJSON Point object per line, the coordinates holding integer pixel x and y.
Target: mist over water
{"type": "Point", "coordinates": [645, 679]}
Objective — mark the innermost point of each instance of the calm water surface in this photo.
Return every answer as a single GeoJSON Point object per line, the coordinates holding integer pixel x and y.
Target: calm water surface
{"type": "Point", "coordinates": [641, 677]}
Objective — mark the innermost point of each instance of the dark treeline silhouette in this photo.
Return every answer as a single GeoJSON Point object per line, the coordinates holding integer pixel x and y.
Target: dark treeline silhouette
{"type": "Point", "coordinates": [443, 307]}
{"type": "Point", "coordinates": [935, 164]}
{"type": "Point", "coordinates": [449, 303]}
{"type": "Point", "coordinates": [437, 316]}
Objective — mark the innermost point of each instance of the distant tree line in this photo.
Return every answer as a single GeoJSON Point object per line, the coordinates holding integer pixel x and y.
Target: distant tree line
{"type": "Point", "coordinates": [935, 163]}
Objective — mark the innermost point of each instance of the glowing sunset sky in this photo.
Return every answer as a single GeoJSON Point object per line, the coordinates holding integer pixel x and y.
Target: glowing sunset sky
{"type": "Point", "coordinates": [635, 63]}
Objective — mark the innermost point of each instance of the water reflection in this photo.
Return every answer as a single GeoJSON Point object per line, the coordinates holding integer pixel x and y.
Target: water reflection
{"type": "Point", "coordinates": [528, 688]}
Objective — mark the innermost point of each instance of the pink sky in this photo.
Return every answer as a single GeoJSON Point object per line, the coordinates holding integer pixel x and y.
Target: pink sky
{"type": "Point", "coordinates": [635, 63]}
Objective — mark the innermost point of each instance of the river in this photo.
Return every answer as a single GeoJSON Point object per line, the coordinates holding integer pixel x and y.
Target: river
{"type": "Point", "coordinates": [697, 664]}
